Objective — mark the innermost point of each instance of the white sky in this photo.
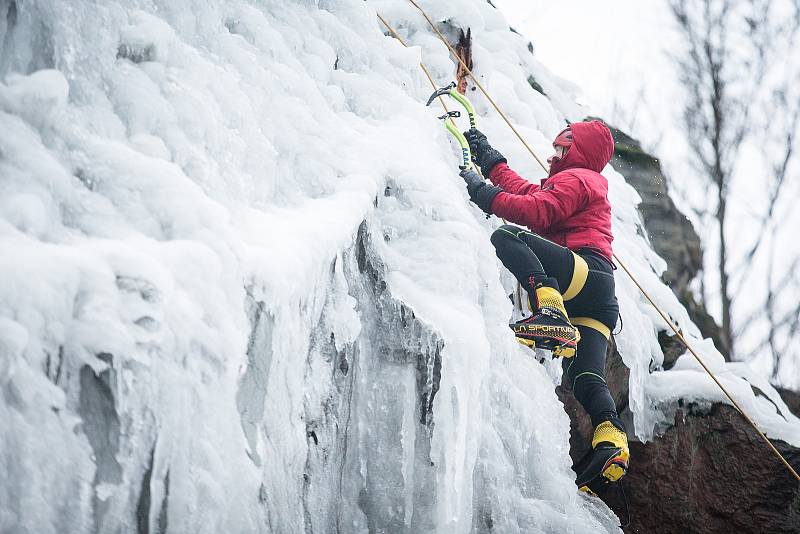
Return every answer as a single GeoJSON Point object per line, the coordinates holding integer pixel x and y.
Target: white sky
{"type": "Point", "coordinates": [617, 55]}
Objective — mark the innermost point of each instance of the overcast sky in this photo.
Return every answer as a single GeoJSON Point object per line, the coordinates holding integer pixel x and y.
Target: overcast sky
{"type": "Point", "coordinates": [616, 52]}
{"type": "Point", "coordinates": [619, 54]}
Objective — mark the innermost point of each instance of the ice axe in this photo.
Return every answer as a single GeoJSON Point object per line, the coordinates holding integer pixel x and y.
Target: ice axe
{"type": "Point", "coordinates": [451, 91]}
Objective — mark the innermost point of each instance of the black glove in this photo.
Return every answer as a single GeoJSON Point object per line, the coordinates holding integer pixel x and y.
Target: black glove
{"type": "Point", "coordinates": [482, 152]}
{"type": "Point", "coordinates": [480, 193]}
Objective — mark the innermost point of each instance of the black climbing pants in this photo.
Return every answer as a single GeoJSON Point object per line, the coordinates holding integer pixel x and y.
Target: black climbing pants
{"type": "Point", "coordinates": [586, 281]}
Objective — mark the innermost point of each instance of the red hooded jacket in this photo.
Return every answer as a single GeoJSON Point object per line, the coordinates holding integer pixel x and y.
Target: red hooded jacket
{"type": "Point", "coordinates": [571, 206]}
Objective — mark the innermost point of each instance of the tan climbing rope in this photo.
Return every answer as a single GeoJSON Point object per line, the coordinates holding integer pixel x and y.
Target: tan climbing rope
{"type": "Point", "coordinates": [616, 258]}
{"type": "Point", "coordinates": [421, 65]}
{"type": "Point", "coordinates": [478, 84]}
{"type": "Point", "coordinates": [518, 292]}
{"type": "Point", "coordinates": [679, 334]}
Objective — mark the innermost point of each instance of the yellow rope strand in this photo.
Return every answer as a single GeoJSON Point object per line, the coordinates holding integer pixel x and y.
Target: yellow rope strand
{"type": "Point", "coordinates": [427, 74]}
{"type": "Point", "coordinates": [421, 65]}
{"type": "Point", "coordinates": [616, 258]}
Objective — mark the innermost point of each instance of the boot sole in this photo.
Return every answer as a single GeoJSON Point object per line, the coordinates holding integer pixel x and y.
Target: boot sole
{"type": "Point", "coordinates": [558, 350]}
{"type": "Point", "coordinates": [565, 334]}
{"type": "Point", "coordinates": [613, 469]}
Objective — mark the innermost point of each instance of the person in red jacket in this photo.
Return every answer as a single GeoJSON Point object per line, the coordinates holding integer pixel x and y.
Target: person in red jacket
{"type": "Point", "coordinates": [564, 262]}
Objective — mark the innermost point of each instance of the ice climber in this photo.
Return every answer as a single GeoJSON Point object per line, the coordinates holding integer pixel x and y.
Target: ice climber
{"type": "Point", "coordinates": [564, 262]}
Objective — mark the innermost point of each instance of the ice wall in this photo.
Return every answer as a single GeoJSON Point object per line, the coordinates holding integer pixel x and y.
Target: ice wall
{"type": "Point", "coordinates": [242, 288]}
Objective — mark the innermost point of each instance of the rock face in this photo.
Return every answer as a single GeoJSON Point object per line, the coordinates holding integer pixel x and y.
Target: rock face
{"type": "Point", "coordinates": [792, 399]}
{"type": "Point", "coordinates": [672, 235]}
{"type": "Point", "coordinates": [710, 472]}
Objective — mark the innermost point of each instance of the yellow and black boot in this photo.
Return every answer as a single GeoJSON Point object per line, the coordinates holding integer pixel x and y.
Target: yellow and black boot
{"type": "Point", "coordinates": [549, 327]}
{"type": "Point", "coordinates": [607, 462]}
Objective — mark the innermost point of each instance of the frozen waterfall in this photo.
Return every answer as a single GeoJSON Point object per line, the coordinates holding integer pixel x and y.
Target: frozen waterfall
{"type": "Point", "coordinates": [243, 290]}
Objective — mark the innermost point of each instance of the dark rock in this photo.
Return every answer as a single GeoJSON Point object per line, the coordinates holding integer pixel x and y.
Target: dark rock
{"type": "Point", "coordinates": [668, 230]}
{"type": "Point", "coordinates": [709, 473]}
{"type": "Point", "coordinates": [136, 53]}
{"type": "Point", "coordinates": [672, 348]}
{"type": "Point", "coordinates": [712, 473]}
{"type": "Point", "coordinates": [791, 398]}
{"type": "Point", "coordinates": [581, 430]}
{"type": "Point", "coordinates": [535, 85]}
{"type": "Point", "coordinates": [700, 317]}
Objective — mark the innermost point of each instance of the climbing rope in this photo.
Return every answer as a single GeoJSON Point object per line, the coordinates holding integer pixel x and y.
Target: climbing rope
{"type": "Point", "coordinates": [478, 84]}
{"type": "Point", "coordinates": [518, 291]}
{"type": "Point", "coordinates": [616, 258]}
{"type": "Point", "coordinates": [421, 64]}
{"type": "Point", "coordinates": [682, 339]}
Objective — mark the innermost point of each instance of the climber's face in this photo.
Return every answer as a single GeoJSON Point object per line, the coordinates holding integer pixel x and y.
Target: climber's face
{"type": "Point", "coordinates": [561, 145]}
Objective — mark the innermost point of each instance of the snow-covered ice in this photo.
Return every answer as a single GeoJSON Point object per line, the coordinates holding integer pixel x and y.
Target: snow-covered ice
{"type": "Point", "coordinates": [243, 290]}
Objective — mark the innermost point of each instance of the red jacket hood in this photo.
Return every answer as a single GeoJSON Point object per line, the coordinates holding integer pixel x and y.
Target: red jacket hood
{"type": "Point", "coordinates": [592, 147]}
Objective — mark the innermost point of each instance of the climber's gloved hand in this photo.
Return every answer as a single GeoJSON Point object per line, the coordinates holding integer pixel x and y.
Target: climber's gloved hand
{"type": "Point", "coordinates": [482, 152]}
{"type": "Point", "coordinates": [480, 193]}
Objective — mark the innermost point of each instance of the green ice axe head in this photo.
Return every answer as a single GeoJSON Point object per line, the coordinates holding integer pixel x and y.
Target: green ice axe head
{"type": "Point", "coordinates": [453, 93]}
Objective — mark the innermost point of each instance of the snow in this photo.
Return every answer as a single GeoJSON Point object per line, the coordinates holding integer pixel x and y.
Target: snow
{"type": "Point", "coordinates": [239, 262]}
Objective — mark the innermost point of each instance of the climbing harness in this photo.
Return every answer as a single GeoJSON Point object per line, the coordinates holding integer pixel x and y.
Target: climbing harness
{"type": "Point", "coordinates": [675, 329]}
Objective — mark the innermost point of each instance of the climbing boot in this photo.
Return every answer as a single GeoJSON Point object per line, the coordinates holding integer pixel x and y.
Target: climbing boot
{"type": "Point", "coordinates": [549, 327]}
{"type": "Point", "coordinates": [607, 461]}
